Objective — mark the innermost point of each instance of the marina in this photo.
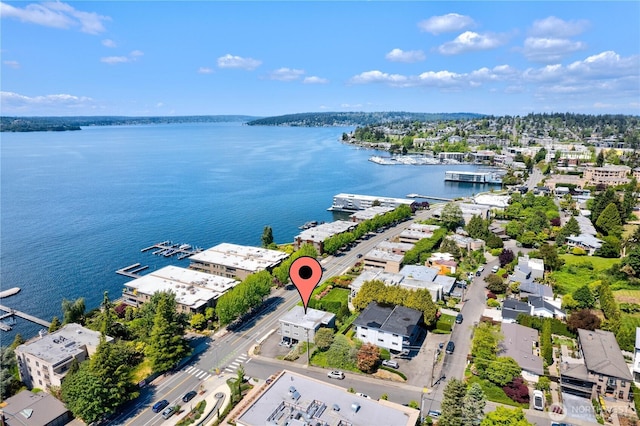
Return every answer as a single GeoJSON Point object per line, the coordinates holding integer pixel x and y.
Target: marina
{"type": "Point", "coordinates": [168, 249]}
{"type": "Point", "coordinates": [12, 313]}
{"type": "Point", "coordinates": [132, 271]}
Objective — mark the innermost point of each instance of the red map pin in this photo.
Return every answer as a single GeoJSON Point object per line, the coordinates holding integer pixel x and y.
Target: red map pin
{"type": "Point", "coordinates": [305, 273]}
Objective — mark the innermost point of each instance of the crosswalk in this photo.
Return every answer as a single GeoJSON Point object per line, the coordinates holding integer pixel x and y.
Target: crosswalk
{"type": "Point", "coordinates": [204, 375]}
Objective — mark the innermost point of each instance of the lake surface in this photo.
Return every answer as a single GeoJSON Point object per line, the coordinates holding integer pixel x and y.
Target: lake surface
{"type": "Point", "coordinates": [77, 206]}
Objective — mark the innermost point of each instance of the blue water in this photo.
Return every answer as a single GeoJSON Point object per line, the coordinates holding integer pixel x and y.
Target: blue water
{"type": "Point", "coordinates": [76, 206]}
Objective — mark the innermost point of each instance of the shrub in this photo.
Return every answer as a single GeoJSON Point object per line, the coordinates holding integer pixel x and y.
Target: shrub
{"type": "Point", "coordinates": [544, 384]}
{"type": "Point", "coordinates": [578, 251]}
{"type": "Point", "coordinates": [493, 303]}
{"type": "Point", "coordinates": [517, 390]}
{"type": "Point", "coordinates": [491, 295]}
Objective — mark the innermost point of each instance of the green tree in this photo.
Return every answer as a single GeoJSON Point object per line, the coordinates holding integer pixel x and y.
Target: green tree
{"type": "Point", "coordinates": [600, 159]}
{"type": "Point", "coordinates": [610, 247]}
{"type": "Point", "coordinates": [451, 216]}
{"type": "Point", "coordinates": [73, 312]}
{"type": "Point", "coordinates": [629, 200]}
{"type": "Point", "coordinates": [514, 228]}
{"type": "Point", "coordinates": [503, 370]}
{"type": "Point", "coordinates": [111, 364]}
{"type": "Point", "coordinates": [609, 220]}
{"type": "Point", "coordinates": [584, 297]}
{"type": "Point", "coordinates": [503, 416]}
{"type": "Point", "coordinates": [600, 202]}
{"type": "Point", "coordinates": [452, 397]}
{"type": "Point", "coordinates": [341, 354]}
{"type": "Point", "coordinates": [484, 347]}
{"type": "Point", "coordinates": [17, 341]}
{"type": "Point", "coordinates": [166, 346]}
{"type": "Point", "coordinates": [198, 321]}
{"type": "Point", "coordinates": [55, 325]}
{"type": "Point", "coordinates": [477, 227]}
{"type": "Point", "coordinates": [107, 315]}
{"type": "Point", "coordinates": [84, 394]}
{"type": "Point", "coordinates": [495, 283]}
{"type": "Point", "coordinates": [549, 254]}
{"type": "Point", "coordinates": [473, 405]}
{"type": "Point", "coordinates": [8, 365]}
{"type": "Point", "coordinates": [493, 241]}
{"type": "Point", "coordinates": [324, 338]}
{"type": "Point", "coordinates": [370, 291]}
{"type": "Point", "coordinates": [449, 246]}
{"type": "Point", "coordinates": [267, 236]}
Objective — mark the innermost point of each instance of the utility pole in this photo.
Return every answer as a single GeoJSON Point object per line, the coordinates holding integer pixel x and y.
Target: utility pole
{"type": "Point", "coordinates": [308, 357]}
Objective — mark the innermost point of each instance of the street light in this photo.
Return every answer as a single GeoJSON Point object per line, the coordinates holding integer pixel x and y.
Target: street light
{"type": "Point", "coordinates": [433, 366]}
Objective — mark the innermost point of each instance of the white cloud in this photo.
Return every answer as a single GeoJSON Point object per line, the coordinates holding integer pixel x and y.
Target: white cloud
{"type": "Point", "coordinates": [380, 77]}
{"type": "Point", "coordinates": [285, 74]}
{"type": "Point", "coordinates": [205, 70]}
{"type": "Point", "coordinates": [557, 28]}
{"type": "Point", "coordinates": [315, 80]}
{"type": "Point", "coordinates": [12, 64]}
{"type": "Point", "coordinates": [409, 56]}
{"type": "Point", "coordinates": [230, 61]}
{"type": "Point", "coordinates": [56, 15]}
{"type": "Point", "coordinates": [549, 50]}
{"type": "Point", "coordinates": [446, 23]}
{"type": "Point", "coordinates": [107, 42]}
{"type": "Point", "coordinates": [350, 106]}
{"type": "Point", "coordinates": [159, 104]}
{"type": "Point", "coordinates": [11, 101]}
{"type": "Point", "coordinates": [470, 41]}
{"type": "Point", "coordinates": [112, 60]}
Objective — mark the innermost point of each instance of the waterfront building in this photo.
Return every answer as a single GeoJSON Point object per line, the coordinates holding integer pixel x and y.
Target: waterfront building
{"type": "Point", "coordinates": [44, 361]}
{"type": "Point", "coordinates": [296, 399]}
{"type": "Point", "coordinates": [468, 210]}
{"type": "Point", "coordinates": [236, 261]}
{"type": "Point", "coordinates": [194, 291]}
{"type": "Point", "coordinates": [608, 175]}
{"type": "Point", "coordinates": [354, 202]}
{"type": "Point", "coordinates": [318, 234]}
{"type": "Point", "coordinates": [370, 213]}
{"type": "Point", "coordinates": [394, 328]}
{"type": "Point", "coordinates": [452, 157]}
{"type": "Point", "coordinates": [472, 177]}
{"type": "Point", "coordinates": [296, 325]}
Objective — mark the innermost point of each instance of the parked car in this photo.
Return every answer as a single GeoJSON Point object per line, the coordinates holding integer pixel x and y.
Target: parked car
{"type": "Point", "coordinates": [450, 347]}
{"type": "Point", "coordinates": [390, 363]}
{"type": "Point", "coordinates": [538, 400]}
{"type": "Point", "coordinates": [434, 414]}
{"type": "Point", "coordinates": [363, 395]}
{"type": "Point", "coordinates": [459, 319]}
{"type": "Point", "coordinates": [495, 269]}
{"type": "Point", "coordinates": [158, 406]}
{"type": "Point", "coordinates": [479, 271]}
{"type": "Point", "coordinates": [168, 412]}
{"type": "Point", "coordinates": [189, 396]}
{"type": "Point", "coordinates": [335, 374]}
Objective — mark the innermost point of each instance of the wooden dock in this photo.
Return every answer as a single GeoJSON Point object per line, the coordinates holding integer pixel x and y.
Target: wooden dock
{"type": "Point", "coordinates": [10, 312]}
{"type": "Point", "coordinates": [429, 197]}
{"type": "Point", "coordinates": [168, 249]}
{"type": "Point", "coordinates": [132, 271]}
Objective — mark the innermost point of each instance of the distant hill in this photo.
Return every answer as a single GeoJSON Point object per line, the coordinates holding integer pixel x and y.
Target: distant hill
{"type": "Point", "coordinates": [53, 124]}
{"type": "Point", "coordinates": [328, 119]}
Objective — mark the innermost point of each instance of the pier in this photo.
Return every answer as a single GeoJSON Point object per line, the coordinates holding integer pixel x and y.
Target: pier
{"type": "Point", "coordinates": [132, 271]}
{"type": "Point", "coordinates": [168, 249]}
{"type": "Point", "coordinates": [14, 313]}
{"type": "Point", "coordinates": [429, 197]}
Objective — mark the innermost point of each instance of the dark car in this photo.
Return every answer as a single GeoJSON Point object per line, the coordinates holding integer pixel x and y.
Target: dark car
{"type": "Point", "coordinates": [459, 319]}
{"type": "Point", "coordinates": [188, 396]}
{"type": "Point", "coordinates": [158, 406]}
{"type": "Point", "coordinates": [450, 347]}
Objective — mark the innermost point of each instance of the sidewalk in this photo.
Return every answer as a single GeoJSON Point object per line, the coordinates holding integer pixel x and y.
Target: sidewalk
{"type": "Point", "coordinates": [213, 386]}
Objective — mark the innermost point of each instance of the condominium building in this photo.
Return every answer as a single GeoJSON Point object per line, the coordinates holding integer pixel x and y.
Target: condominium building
{"type": "Point", "coordinates": [416, 232]}
{"type": "Point", "coordinates": [194, 291]}
{"type": "Point", "coordinates": [609, 175]}
{"type": "Point", "coordinates": [45, 360]}
{"type": "Point", "coordinates": [236, 261]}
{"type": "Point", "coordinates": [318, 234]}
{"type": "Point", "coordinates": [353, 202]}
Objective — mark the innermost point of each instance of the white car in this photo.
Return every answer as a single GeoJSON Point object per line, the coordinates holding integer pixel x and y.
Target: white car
{"type": "Point", "coordinates": [390, 363]}
{"type": "Point", "coordinates": [335, 374]}
{"type": "Point", "coordinates": [363, 395]}
{"type": "Point", "coordinates": [538, 400]}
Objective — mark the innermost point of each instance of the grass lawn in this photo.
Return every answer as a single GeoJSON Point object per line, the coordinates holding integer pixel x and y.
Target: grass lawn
{"type": "Point", "coordinates": [599, 263]}
{"type": "Point", "coordinates": [141, 371]}
{"type": "Point", "coordinates": [570, 279]}
{"type": "Point", "coordinates": [337, 295]}
{"type": "Point", "coordinates": [627, 296]}
{"type": "Point", "coordinates": [494, 393]}
{"type": "Point", "coordinates": [630, 320]}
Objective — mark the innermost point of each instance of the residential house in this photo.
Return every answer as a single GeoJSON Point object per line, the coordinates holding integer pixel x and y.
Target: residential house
{"type": "Point", "coordinates": [416, 232]}
{"type": "Point", "coordinates": [521, 344]}
{"type": "Point", "coordinates": [604, 371]}
{"type": "Point", "coordinates": [466, 243]}
{"type": "Point", "coordinates": [418, 276]}
{"type": "Point", "coordinates": [530, 289]}
{"type": "Point", "coordinates": [387, 278]}
{"type": "Point", "coordinates": [34, 409]}
{"type": "Point", "coordinates": [527, 270]}
{"type": "Point", "coordinates": [587, 242]}
{"type": "Point", "coordinates": [394, 328]}
{"type": "Point", "coordinates": [443, 261]}
{"type": "Point", "coordinates": [297, 325]}
{"type": "Point", "coordinates": [511, 308]}
{"type": "Point", "coordinates": [543, 307]}
{"type": "Point", "coordinates": [44, 361]}
{"type": "Point", "coordinates": [393, 247]}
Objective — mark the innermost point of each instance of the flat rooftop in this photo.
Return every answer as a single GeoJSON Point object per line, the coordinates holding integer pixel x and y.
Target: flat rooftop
{"type": "Point", "coordinates": [373, 198]}
{"type": "Point", "coordinates": [322, 232]}
{"type": "Point", "coordinates": [60, 346]}
{"type": "Point", "coordinates": [296, 400]}
{"type": "Point", "coordinates": [371, 212]}
{"type": "Point", "coordinates": [311, 320]}
{"type": "Point", "coordinates": [382, 255]}
{"type": "Point", "coordinates": [248, 258]}
{"type": "Point", "coordinates": [191, 288]}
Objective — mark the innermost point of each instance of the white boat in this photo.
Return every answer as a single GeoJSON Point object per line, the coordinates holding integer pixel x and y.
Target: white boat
{"type": "Point", "coordinates": [9, 292]}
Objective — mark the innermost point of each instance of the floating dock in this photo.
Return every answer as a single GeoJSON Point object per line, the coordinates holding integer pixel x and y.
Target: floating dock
{"type": "Point", "coordinates": [132, 271]}
{"type": "Point", "coordinates": [10, 312]}
{"type": "Point", "coordinates": [168, 249]}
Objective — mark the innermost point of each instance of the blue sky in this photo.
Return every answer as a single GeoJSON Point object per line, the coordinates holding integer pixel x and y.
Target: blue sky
{"type": "Point", "coordinates": [272, 58]}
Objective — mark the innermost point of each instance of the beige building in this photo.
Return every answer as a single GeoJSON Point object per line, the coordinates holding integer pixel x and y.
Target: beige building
{"type": "Point", "coordinates": [389, 262]}
{"type": "Point", "coordinates": [45, 360]}
{"type": "Point", "coordinates": [608, 175]}
{"type": "Point", "coordinates": [194, 291]}
{"type": "Point", "coordinates": [236, 261]}
{"type": "Point", "coordinates": [370, 213]}
{"type": "Point", "coordinates": [318, 234]}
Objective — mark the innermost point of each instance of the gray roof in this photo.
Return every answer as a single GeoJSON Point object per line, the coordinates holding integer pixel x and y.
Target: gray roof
{"type": "Point", "coordinates": [511, 308]}
{"type": "Point", "coordinates": [398, 319]}
{"type": "Point", "coordinates": [576, 371]}
{"type": "Point", "coordinates": [43, 409]}
{"type": "Point", "coordinates": [312, 319]}
{"type": "Point", "coordinates": [518, 344]}
{"type": "Point", "coordinates": [602, 354]}
{"type": "Point", "coordinates": [295, 399]}
{"type": "Point", "coordinates": [538, 302]}
{"type": "Point", "coordinates": [536, 289]}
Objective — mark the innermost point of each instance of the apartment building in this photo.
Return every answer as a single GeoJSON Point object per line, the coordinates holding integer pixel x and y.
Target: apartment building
{"type": "Point", "coordinates": [318, 234]}
{"type": "Point", "coordinates": [609, 175]}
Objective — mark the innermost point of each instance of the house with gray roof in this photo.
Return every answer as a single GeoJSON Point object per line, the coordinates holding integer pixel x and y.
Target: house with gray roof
{"type": "Point", "coordinates": [391, 327]}
{"type": "Point", "coordinates": [531, 289]}
{"type": "Point", "coordinates": [587, 242]}
{"type": "Point", "coordinates": [605, 371]}
{"type": "Point", "coordinates": [521, 344]}
{"type": "Point", "coordinates": [297, 325]}
{"type": "Point", "coordinates": [511, 308]}
{"type": "Point", "coordinates": [34, 409]}
{"type": "Point", "coordinates": [542, 307]}
{"type": "Point", "coordinates": [527, 270]}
